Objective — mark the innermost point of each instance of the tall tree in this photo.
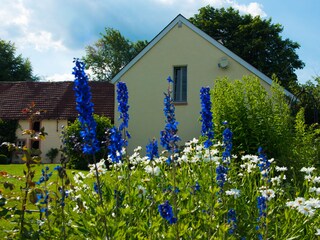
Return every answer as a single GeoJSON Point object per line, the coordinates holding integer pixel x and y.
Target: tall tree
{"type": "Point", "coordinates": [107, 56]}
{"type": "Point", "coordinates": [12, 67]}
{"type": "Point", "coordinates": [308, 97]}
{"type": "Point", "coordinates": [257, 41]}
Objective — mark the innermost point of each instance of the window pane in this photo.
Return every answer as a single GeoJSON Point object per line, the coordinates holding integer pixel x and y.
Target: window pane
{"type": "Point", "coordinates": [35, 144]}
{"type": "Point", "coordinates": [36, 126]}
{"type": "Point", "coordinates": [184, 84]}
{"type": "Point", "coordinates": [180, 84]}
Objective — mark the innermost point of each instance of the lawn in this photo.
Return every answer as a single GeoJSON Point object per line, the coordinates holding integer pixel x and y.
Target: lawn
{"type": "Point", "coordinates": [12, 179]}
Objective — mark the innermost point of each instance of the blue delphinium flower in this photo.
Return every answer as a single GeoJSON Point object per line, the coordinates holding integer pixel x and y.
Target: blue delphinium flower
{"type": "Point", "coordinates": [123, 107]}
{"type": "Point", "coordinates": [116, 143]}
{"type": "Point", "coordinates": [57, 168]}
{"type": "Point", "coordinates": [169, 137]}
{"type": "Point", "coordinates": [43, 199]}
{"type": "Point", "coordinates": [84, 107]}
{"type": "Point", "coordinates": [206, 116]}
{"type": "Point", "coordinates": [232, 220]}
{"type": "Point", "coordinates": [95, 187]}
{"type": "Point", "coordinates": [221, 175]}
{"type": "Point", "coordinates": [166, 212]}
{"type": "Point", "coordinates": [45, 176]}
{"type": "Point", "coordinates": [262, 206]}
{"type": "Point", "coordinates": [264, 163]}
{"type": "Point", "coordinates": [227, 142]}
{"type": "Point", "coordinates": [152, 149]}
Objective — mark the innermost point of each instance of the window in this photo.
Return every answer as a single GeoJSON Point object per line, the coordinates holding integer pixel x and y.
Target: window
{"type": "Point", "coordinates": [35, 144]}
{"type": "Point", "coordinates": [180, 84]}
{"type": "Point", "coordinates": [36, 126]}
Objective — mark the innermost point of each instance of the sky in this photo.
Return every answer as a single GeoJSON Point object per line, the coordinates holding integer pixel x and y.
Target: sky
{"type": "Point", "coordinates": [51, 33]}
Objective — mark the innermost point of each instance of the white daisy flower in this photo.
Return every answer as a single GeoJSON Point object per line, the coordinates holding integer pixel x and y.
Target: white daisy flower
{"type": "Point", "coordinates": [313, 202]}
{"type": "Point", "coordinates": [233, 192]}
{"type": "Point", "coordinates": [281, 169]}
{"type": "Point", "coordinates": [316, 180]}
{"type": "Point", "coordinates": [306, 210]}
{"type": "Point", "coordinates": [268, 194]}
{"type": "Point", "coordinates": [299, 201]}
{"type": "Point", "coordinates": [307, 170]}
{"type": "Point", "coordinates": [142, 191]}
{"type": "Point", "coordinates": [152, 170]}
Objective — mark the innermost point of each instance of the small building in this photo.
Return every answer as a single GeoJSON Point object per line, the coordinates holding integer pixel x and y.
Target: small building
{"type": "Point", "coordinates": [56, 104]}
{"type": "Point", "coordinates": [193, 59]}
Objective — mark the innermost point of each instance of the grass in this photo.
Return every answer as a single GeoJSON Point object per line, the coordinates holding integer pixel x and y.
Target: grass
{"type": "Point", "coordinates": [13, 174]}
{"type": "Point", "coordinates": [12, 180]}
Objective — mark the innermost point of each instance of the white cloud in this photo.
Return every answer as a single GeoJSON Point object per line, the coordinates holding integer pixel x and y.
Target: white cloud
{"type": "Point", "coordinates": [60, 77]}
{"type": "Point", "coordinates": [16, 26]}
{"type": "Point", "coordinates": [191, 6]}
{"type": "Point", "coordinates": [13, 12]}
{"type": "Point", "coordinates": [253, 8]}
{"type": "Point", "coordinates": [40, 41]}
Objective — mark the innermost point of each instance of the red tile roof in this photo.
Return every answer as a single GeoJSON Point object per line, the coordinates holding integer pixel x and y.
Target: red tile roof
{"type": "Point", "coordinates": [56, 98]}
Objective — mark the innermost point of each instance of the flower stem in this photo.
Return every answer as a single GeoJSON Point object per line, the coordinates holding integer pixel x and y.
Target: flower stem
{"type": "Point", "coordinates": [175, 205]}
{"type": "Point", "coordinates": [100, 195]}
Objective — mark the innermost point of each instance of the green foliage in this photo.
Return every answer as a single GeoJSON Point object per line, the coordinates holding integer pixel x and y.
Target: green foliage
{"type": "Point", "coordinates": [7, 134]}
{"type": "Point", "coordinates": [4, 159]}
{"type": "Point", "coordinates": [256, 40]}
{"type": "Point", "coordinates": [52, 154]}
{"type": "Point", "coordinates": [256, 117]}
{"type": "Point", "coordinates": [110, 53]}
{"type": "Point", "coordinates": [308, 97]}
{"type": "Point", "coordinates": [72, 142]}
{"type": "Point", "coordinates": [14, 68]}
{"type": "Point", "coordinates": [306, 142]}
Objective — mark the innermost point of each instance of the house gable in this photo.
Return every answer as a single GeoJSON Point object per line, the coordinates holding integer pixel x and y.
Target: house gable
{"type": "Point", "coordinates": [179, 21]}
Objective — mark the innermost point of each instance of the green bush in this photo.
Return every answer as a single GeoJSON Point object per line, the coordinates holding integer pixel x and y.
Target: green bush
{"type": "Point", "coordinates": [306, 141]}
{"type": "Point", "coordinates": [4, 159]}
{"type": "Point", "coordinates": [7, 134]}
{"type": "Point", "coordinates": [52, 154]}
{"type": "Point", "coordinates": [256, 117]}
{"type": "Point", "coordinates": [72, 143]}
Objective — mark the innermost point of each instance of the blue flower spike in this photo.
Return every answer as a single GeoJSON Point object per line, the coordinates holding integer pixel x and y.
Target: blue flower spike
{"type": "Point", "coordinates": [84, 107]}
{"type": "Point", "coordinates": [152, 149]}
{"type": "Point", "coordinates": [168, 136]}
{"type": "Point", "coordinates": [166, 212]}
{"type": "Point", "coordinates": [206, 116]}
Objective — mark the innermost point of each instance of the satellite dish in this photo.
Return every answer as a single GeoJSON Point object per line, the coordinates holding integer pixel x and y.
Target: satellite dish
{"type": "Point", "coordinates": [223, 63]}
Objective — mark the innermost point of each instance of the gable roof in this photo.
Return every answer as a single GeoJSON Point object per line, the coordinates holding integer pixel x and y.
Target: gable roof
{"type": "Point", "coordinates": [56, 98]}
{"type": "Point", "coordinates": [179, 20]}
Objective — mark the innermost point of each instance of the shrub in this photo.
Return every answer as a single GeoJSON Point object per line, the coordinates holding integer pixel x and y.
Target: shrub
{"type": "Point", "coordinates": [52, 154]}
{"type": "Point", "coordinates": [306, 141]}
{"type": "Point", "coordinates": [258, 118]}
{"type": "Point", "coordinates": [73, 143]}
{"type": "Point", "coordinates": [4, 159]}
{"type": "Point", "coordinates": [7, 134]}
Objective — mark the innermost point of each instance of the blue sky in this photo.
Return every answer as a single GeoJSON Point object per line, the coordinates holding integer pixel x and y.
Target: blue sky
{"type": "Point", "coordinates": [52, 32]}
